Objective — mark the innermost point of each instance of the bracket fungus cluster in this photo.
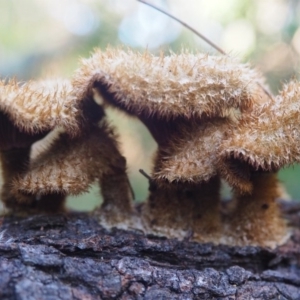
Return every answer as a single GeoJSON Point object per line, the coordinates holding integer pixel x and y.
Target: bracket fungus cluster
{"type": "Point", "coordinates": [210, 117]}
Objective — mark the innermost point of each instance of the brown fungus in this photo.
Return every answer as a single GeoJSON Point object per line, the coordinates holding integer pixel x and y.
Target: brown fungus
{"type": "Point", "coordinates": [182, 99]}
{"type": "Point", "coordinates": [28, 112]}
{"type": "Point", "coordinates": [81, 149]}
{"type": "Point", "coordinates": [262, 143]}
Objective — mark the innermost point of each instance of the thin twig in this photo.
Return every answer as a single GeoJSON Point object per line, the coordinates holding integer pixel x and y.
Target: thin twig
{"type": "Point", "coordinates": [265, 90]}
{"type": "Point", "coordinates": [199, 35]}
{"type": "Point", "coordinates": [145, 174]}
{"type": "Point", "coordinates": [187, 26]}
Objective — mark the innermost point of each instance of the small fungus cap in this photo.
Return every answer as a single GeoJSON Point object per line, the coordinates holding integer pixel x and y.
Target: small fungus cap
{"type": "Point", "coordinates": [37, 106]}
{"type": "Point", "coordinates": [265, 140]}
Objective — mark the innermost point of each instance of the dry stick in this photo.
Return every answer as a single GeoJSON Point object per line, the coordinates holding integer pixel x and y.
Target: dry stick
{"type": "Point", "coordinates": [265, 90]}
{"type": "Point", "coordinates": [187, 26]}
{"type": "Point", "coordinates": [145, 174]}
{"type": "Point", "coordinates": [152, 184]}
{"type": "Point", "coordinates": [199, 35]}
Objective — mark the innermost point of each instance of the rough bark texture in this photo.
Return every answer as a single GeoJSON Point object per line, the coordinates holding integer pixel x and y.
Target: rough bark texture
{"type": "Point", "coordinates": [72, 257]}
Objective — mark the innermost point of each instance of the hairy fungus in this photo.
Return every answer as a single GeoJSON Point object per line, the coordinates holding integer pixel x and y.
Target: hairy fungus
{"type": "Point", "coordinates": [82, 148]}
{"type": "Point", "coordinates": [27, 113]}
{"type": "Point", "coordinates": [162, 86]}
{"type": "Point", "coordinates": [267, 139]}
{"type": "Point", "coordinates": [39, 105]}
{"type": "Point", "coordinates": [209, 116]}
{"type": "Point", "coordinates": [189, 103]}
{"type": "Point", "coordinates": [263, 142]}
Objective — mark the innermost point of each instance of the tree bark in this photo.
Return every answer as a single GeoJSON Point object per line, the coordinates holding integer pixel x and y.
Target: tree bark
{"type": "Point", "coordinates": [72, 257]}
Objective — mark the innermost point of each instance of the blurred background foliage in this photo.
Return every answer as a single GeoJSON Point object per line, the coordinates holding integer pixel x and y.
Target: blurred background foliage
{"type": "Point", "coordinates": [45, 38]}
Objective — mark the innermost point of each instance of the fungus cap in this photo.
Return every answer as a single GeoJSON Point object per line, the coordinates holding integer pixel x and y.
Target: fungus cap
{"type": "Point", "coordinates": [169, 86]}
{"type": "Point", "coordinates": [37, 106]}
{"type": "Point", "coordinates": [267, 139]}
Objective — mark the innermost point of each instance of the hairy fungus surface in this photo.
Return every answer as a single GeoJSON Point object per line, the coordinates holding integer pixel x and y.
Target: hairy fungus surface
{"type": "Point", "coordinates": [192, 156]}
{"type": "Point", "coordinates": [28, 112]}
{"type": "Point", "coordinates": [264, 141]}
{"type": "Point", "coordinates": [39, 105]}
{"type": "Point", "coordinates": [186, 84]}
{"type": "Point", "coordinates": [268, 138]}
{"type": "Point", "coordinates": [257, 218]}
{"type": "Point", "coordinates": [76, 147]}
{"type": "Point", "coordinates": [191, 104]}
{"type": "Point", "coordinates": [209, 116]}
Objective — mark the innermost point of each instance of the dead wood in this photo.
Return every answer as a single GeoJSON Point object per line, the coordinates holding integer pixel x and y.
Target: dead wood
{"type": "Point", "coordinates": [72, 257]}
